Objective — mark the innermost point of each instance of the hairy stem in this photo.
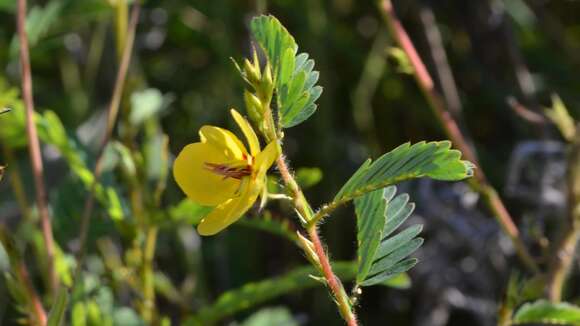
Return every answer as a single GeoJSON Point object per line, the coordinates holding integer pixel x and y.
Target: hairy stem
{"type": "Point", "coordinates": [479, 183]}
{"type": "Point", "coordinates": [148, 308]}
{"type": "Point", "coordinates": [34, 146]}
{"type": "Point", "coordinates": [303, 207]}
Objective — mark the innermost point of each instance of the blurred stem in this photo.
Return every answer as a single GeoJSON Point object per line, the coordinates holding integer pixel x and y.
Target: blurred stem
{"type": "Point", "coordinates": [112, 113]}
{"type": "Point", "coordinates": [34, 146]}
{"type": "Point", "coordinates": [148, 311]}
{"type": "Point", "coordinates": [479, 183]}
{"type": "Point", "coordinates": [121, 15]}
{"type": "Point", "coordinates": [37, 311]}
{"type": "Point", "coordinates": [368, 83]}
{"type": "Point", "coordinates": [304, 209]}
{"type": "Point", "coordinates": [504, 315]}
{"type": "Point", "coordinates": [16, 183]}
{"type": "Point", "coordinates": [95, 53]}
{"type": "Point", "coordinates": [564, 250]}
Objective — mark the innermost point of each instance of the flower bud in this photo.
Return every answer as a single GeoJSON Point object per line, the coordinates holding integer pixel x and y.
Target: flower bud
{"type": "Point", "coordinates": [254, 107]}
{"type": "Point", "coordinates": [266, 88]}
{"type": "Point", "coordinates": [308, 248]}
{"type": "Point", "coordinates": [252, 72]}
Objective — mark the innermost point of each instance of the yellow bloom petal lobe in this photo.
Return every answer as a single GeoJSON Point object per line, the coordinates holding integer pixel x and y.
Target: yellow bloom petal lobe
{"type": "Point", "coordinates": [266, 158]}
{"type": "Point", "coordinates": [219, 171]}
{"type": "Point", "coordinates": [230, 211]}
{"type": "Point", "coordinates": [249, 133]}
{"type": "Point", "coordinates": [199, 183]}
{"type": "Point", "coordinates": [224, 140]}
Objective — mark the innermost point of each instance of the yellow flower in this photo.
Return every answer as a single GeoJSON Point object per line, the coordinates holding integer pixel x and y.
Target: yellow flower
{"type": "Point", "coordinates": [219, 171]}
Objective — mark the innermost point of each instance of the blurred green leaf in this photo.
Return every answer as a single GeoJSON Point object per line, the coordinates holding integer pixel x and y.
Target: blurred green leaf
{"type": "Point", "coordinates": [294, 75]}
{"type": "Point", "coordinates": [400, 281]}
{"type": "Point", "coordinates": [252, 294]}
{"type": "Point", "coordinates": [145, 104]}
{"type": "Point", "coordinates": [545, 312]}
{"type": "Point", "coordinates": [57, 313]}
{"type": "Point", "coordinates": [271, 316]}
{"type": "Point", "coordinates": [308, 177]}
{"type": "Point", "coordinates": [265, 222]}
{"type": "Point", "coordinates": [189, 212]}
{"type": "Point", "coordinates": [79, 314]}
{"type": "Point", "coordinates": [52, 131]}
{"type": "Point", "coordinates": [126, 317]}
{"type": "Point", "coordinates": [381, 257]}
{"type": "Point", "coordinates": [38, 22]}
{"type": "Point", "coordinates": [8, 5]}
{"type": "Point", "coordinates": [435, 160]}
{"type": "Point", "coordinates": [561, 118]}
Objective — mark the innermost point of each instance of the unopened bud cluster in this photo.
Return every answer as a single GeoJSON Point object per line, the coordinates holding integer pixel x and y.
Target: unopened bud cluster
{"type": "Point", "coordinates": [258, 95]}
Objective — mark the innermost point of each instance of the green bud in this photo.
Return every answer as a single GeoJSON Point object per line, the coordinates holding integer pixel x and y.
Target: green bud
{"type": "Point", "coordinates": [308, 248]}
{"type": "Point", "coordinates": [266, 88]}
{"type": "Point", "coordinates": [254, 107]}
{"type": "Point", "coordinates": [252, 72]}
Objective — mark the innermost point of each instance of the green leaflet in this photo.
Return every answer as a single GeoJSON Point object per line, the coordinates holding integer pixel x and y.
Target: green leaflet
{"type": "Point", "coordinates": [295, 78]}
{"type": "Point", "coordinates": [380, 257]}
{"type": "Point", "coordinates": [253, 294]}
{"type": "Point", "coordinates": [57, 313]}
{"type": "Point", "coordinates": [545, 312]}
{"type": "Point", "coordinates": [433, 159]}
{"type": "Point", "coordinates": [279, 316]}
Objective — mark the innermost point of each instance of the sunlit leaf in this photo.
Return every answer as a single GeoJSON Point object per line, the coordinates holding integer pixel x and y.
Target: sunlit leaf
{"type": "Point", "coordinates": [271, 316]}
{"type": "Point", "coordinates": [295, 78]}
{"type": "Point", "coordinates": [57, 312]}
{"type": "Point", "coordinates": [380, 257]}
{"type": "Point", "coordinates": [308, 177]}
{"type": "Point", "coordinates": [435, 160]}
{"type": "Point", "coordinates": [545, 312]}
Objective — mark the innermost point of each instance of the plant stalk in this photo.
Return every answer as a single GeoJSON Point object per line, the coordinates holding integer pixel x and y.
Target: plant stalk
{"type": "Point", "coordinates": [34, 146]}
{"type": "Point", "coordinates": [479, 183]}
{"type": "Point", "coordinates": [565, 249]}
{"type": "Point", "coordinates": [148, 278]}
{"type": "Point", "coordinates": [303, 207]}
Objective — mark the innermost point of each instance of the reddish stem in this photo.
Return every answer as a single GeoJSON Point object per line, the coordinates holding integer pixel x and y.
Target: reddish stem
{"type": "Point", "coordinates": [34, 145]}
{"type": "Point", "coordinates": [480, 182]}
{"type": "Point", "coordinates": [333, 282]}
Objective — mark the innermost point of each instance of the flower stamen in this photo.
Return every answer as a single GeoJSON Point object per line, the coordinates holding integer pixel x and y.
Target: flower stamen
{"type": "Point", "coordinates": [228, 171]}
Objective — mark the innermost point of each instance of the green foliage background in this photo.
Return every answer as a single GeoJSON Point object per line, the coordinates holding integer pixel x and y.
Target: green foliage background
{"type": "Point", "coordinates": [183, 78]}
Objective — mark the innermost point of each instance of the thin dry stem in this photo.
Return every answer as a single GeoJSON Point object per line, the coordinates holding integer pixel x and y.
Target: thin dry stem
{"type": "Point", "coordinates": [112, 113]}
{"type": "Point", "coordinates": [34, 146]}
{"type": "Point", "coordinates": [564, 250]}
{"type": "Point", "coordinates": [479, 182]}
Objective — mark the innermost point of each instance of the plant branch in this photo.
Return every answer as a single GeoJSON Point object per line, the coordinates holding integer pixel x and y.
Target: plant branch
{"type": "Point", "coordinates": [37, 311]}
{"type": "Point", "coordinates": [34, 146]}
{"type": "Point", "coordinates": [112, 113]}
{"type": "Point", "coordinates": [479, 183]}
{"type": "Point", "coordinates": [333, 282]}
{"type": "Point", "coordinates": [563, 254]}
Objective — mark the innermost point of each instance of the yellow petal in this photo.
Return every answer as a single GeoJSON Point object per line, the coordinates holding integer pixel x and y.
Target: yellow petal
{"type": "Point", "coordinates": [197, 181]}
{"type": "Point", "coordinates": [265, 159]}
{"type": "Point", "coordinates": [227, 213]}
{"type": "Point", "coordinates": [223, 140]}
{"type": "Point", "coordinates": [248, 132]}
